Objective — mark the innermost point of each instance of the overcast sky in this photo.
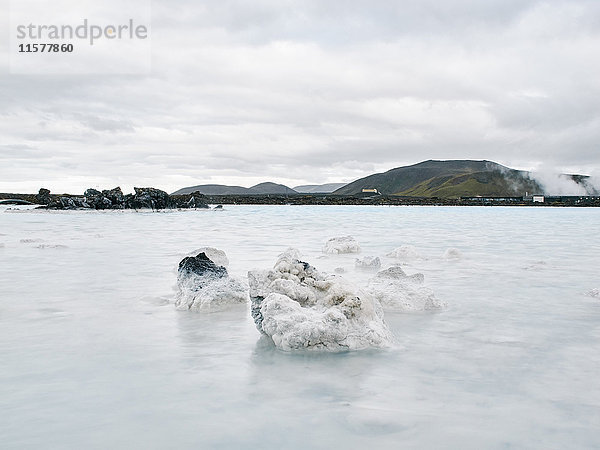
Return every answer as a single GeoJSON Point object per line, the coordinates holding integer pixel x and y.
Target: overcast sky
{"type": "Point", "coordinates": [315, 91]}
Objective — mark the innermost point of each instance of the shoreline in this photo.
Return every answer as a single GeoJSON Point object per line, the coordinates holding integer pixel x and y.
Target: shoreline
{"type": "Point", "coordinates": [53, 201]}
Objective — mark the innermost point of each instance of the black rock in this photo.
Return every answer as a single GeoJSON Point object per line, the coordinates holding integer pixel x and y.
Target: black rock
{"type": "Point", "coordinates": [196, 202]}
{"type": "Point", "coordinates": [116, 197]}
{"type": "Point", "coordinates": [95, 199]}
{"type": "Point", "coordinates": [43, 197]}
{"type": "Point", "coordinates": [68, 202]}
{"type": "Point", "coordinates": [151, 198]}
{"type": "Point", "coordinates": [201, 265]}
{"type": "Point", "coordinates": [256, 303]}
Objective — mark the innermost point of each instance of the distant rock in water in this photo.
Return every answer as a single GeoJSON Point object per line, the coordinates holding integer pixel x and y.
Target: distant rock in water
{"type": "Point", "coordinates": [405, 253]}
{"type": "Point", "coordinates": [368, 263]}
{"type": "Point", "coordinates": [30, 240]}
{"type": "Point", "coordinates": [206, 286]}
{"type": "Point", "coordinates": [453, 254]}
{"type": "Point", "coordinates": [595, 293]}
{"type": "Point", "coordinates": [196, 201]}
{"type": "Point", "coordinates": [149, 197]}
{"type": "Point", "coordinates": [43, 196]}
{"type": "Point", "coordinates": [397, 291]}
{"type": "Point", "coordinates": [300, 308]}
{"type": "Point", "coordinates": [341, 244]}
{"type": "Point", "coordinates": [59, 246]}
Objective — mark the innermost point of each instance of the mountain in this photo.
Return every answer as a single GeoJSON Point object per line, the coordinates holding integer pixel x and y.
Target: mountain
{"type": "Point", "coordinates": [271, 188]}
{"type": "Point", "coordinates": [221, 189]}
{"type": "Point", "coordinates": [453, 178]}
{"type": "Point", "coordinates": [213, 189]}
{"type": "Point", "coordinates": [318, 188]}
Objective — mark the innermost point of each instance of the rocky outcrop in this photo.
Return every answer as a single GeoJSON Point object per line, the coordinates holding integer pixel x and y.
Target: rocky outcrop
{"type": "Point", "coordinates": [397, 291]}
{"type": "Point", "coordinates": [405, 253]}
{"type": "Point", "coordinates": [196, 200]}
{"type": "Point", "coordinates": [300, 308]}
{"type": "Point", "coordinates": [206, 286]}
{"type": "Point", "coordinates": [368, 263]}
{"type": "Point", "coordinates": [151, 198]}
{"type": "Point", "coordinates": [342, 244]}
{"type": "Point", "coordinates": [43, 197]}
{"type": "Point", "coordinates": [96, 200]}
{"type": "Point", "coordinates": [452, 254]}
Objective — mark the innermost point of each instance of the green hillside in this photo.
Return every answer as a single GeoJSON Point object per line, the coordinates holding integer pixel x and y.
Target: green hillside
{"type": "Point", "coordinates": [447, 179]}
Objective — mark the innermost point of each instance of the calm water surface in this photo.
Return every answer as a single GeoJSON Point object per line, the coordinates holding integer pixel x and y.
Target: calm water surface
{"type": "Point", "coordinates": [94, 355]}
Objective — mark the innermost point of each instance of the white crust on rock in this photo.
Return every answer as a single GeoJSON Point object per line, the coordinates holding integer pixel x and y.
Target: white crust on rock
{"type": "Point", "coordinates": [300, 308]}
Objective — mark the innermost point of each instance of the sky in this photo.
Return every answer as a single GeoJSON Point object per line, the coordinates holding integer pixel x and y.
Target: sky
{"type": "Point", "coordinates": [314, 91]}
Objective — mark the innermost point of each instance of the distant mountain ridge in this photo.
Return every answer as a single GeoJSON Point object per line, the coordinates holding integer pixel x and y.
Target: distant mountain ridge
{"type": "Point", "coordinates": [221, 189]}
{"type": "Point", "coordinates": [432, 178]}
{"type": "Point", "coordinates": [318, 188]}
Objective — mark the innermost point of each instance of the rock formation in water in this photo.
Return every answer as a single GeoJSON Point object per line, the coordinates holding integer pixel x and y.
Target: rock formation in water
{"type": "Point", "coordinates": [452, 254]}
{"type": "Point", "coordinates": [368, 263]}
{"type": "Point", "coordinates": [342, 244]}
{"type": "Point", "coordinates": [204, 285]}
{"type": "Point", "coordinates": [594, 293]}
{"type": "Point", "coordinates": [405, 253]}
{"type": "Point", "coordinates": [300, 308]}
{"type": "Point", "coordinates": [400, 292]}
{"type": "Point", "coordinates": [115, 199]}
{"type": "Point", "coordinates": [214, 254]}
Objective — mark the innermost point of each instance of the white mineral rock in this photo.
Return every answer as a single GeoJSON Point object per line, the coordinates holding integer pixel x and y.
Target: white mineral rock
{"type": "Point", "coordinates": [300, 308]}
{"type": "Point", "coordinates": [452, 254]}
{"type": "Point", "coordinates": [397, 291]}
{"type": "Point", "coordinates": [368, 263]}
{"type": "Point", "coordinates": [405, 253]}
{"type": "Point", "coordinates": [342, 244]}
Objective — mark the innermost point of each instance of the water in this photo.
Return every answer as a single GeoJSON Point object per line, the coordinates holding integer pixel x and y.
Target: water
{"type": "Point", "coordinates": [94, 355]}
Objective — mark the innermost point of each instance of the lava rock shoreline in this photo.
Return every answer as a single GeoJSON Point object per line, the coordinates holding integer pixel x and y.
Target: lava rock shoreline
{"type": "Point", "coordinates": [147, 197]}
{"type": "Point", "coordinates": [156, 199]}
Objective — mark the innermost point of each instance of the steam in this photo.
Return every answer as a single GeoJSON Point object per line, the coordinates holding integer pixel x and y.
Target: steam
{"type": "Point", "coordinates": [561, 184]}
{"type": "Point", "coordinates": [547, 181]}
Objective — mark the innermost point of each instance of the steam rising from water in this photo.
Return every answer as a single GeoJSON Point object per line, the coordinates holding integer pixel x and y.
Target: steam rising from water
{"type": "Point", "coordinates": [561, 184]}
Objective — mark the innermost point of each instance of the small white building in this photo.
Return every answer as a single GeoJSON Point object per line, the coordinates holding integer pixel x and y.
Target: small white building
{"type": "Point", "coordinates": [370, 191]}
{"type": "Point", "coordinates": [538, 199]}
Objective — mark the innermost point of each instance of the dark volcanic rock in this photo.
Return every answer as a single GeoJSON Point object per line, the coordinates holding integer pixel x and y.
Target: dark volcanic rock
{"type": "Point", "coordinates": [43, 197]}
{"type": "Point", "coordinates": [196, 201]}
{"type": "Point", "coordinates": [116, 197]}
{"type": "Point", "coordinates": [203, 285]}
{"type": "Point", "coordinates": [67, 202]}
{"type": "Point", "coordinates": [96, 200]}
{"type": "Point", "coordinates": [151, 198]}
{"type": "Point", "coordinates": [201, 265]}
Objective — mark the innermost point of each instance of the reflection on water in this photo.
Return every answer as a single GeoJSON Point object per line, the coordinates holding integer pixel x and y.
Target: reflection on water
{"type": "Point", "coordinates": [93, 354]}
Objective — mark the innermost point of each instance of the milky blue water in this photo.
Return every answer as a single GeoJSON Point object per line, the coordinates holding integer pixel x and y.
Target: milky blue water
{"type": "Point", "coordinates": [94, 355]}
